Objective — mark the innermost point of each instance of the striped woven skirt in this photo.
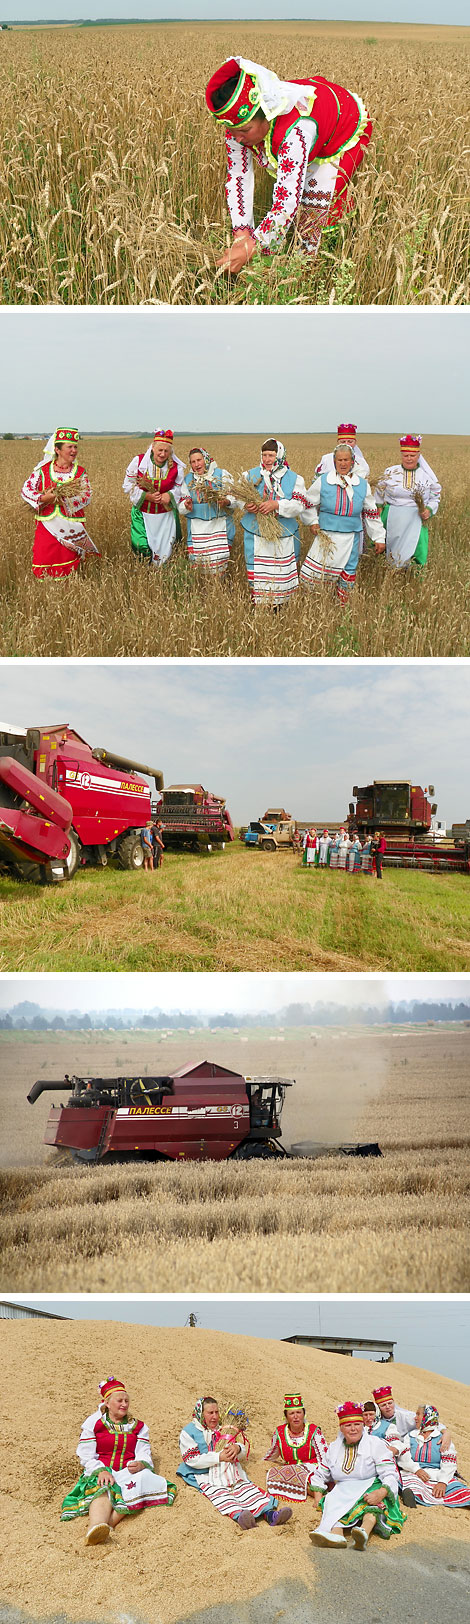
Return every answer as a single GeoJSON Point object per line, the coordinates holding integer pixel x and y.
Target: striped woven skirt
{"type": "Point", "coordinates": [208, 545]}
{"type": "Point", "coordinates": [239, 1497]}
{"type": "Point", "coordinates": [290, 1482]}
{"type": "Point", "coordinates": [457, 1492]}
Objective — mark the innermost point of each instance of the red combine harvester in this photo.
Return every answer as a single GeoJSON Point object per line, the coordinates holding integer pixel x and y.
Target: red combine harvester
{"type": "Point", "coordinates": [200, 1113]}
{"type": "Point", "coordinates": [192, 817]}
{"type": "Point", "coordinates": [402, 812]}
{"type": "Point", "coordinates": [62, 803]}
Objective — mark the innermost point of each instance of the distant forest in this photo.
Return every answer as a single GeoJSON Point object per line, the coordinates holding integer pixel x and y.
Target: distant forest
{"type": "Point", "coordinates": [29, 1017]}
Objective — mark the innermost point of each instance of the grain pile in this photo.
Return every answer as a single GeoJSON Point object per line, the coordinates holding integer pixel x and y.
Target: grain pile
{"type": "Point", "coordinates": [51, 1372]}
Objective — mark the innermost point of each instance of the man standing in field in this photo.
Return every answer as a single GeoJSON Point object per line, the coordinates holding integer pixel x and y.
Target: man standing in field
{"type": "Point", "coordinates": [311, 135]}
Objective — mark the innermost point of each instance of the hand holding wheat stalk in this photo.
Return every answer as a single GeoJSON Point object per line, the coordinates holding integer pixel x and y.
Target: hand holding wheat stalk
{"type": "Point", "coordinates": [244, 491]}
{"type": "Point", "coordinates": [71, 487]}
{"type": "Point", "coordinates": [214, 495]}
{"type": "Point", "coordinates": [418, 497]}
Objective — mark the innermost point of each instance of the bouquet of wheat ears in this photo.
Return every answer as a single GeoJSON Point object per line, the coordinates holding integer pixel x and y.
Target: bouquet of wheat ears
{"type": "Point", "coordinates": [418, 497]}
{"type": "Point", "coordinates": [71, 487]}
{"type": "Point", "coordinates": [214, 495]}
{"type": "Point", "coordinates": [268, 523]}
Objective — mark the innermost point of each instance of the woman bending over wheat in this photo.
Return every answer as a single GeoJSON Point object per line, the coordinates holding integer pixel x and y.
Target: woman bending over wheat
{"type": "Point", "coordinates": [407, 496]}
{"type": "Point", "coordinates": [59, 490]}
{"type": "Point", "coordinates": [341, 502]}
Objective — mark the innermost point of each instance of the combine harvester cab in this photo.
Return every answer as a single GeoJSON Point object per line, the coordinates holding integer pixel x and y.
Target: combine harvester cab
{"type": "Point", "coordinates": [98, 797]}
{"type": "Point", "coordinates": [34, 820]}
{"type": "Point", "coordinates": [193, 819]}
{"type": "Point", "coordinates": [201, 1113]}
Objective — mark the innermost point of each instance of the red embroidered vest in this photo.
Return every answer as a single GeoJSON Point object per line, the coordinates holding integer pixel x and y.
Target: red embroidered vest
{"type": "Point", "coordinates": [335, 112]}
{"type": "Point", "coordinates": [115, 1449]}
{"type": "Point", "coordinates": [48, 484]}
{"type": "Point", "coordinates": [291, 1452]}
{"type": "Point", "coordinates": [166, 484]}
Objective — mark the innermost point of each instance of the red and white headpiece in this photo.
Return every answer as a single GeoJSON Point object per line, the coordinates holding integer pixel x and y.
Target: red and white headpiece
{"type": "Point", "coordinates": [70, 435]}
{"type": "Point", "coordinates": [347, 428]}
{"type": "Point", "coordinates": [411, 442]}
{"type": "Point", "coordinates": [293, 1401]}
{"type": "Point", "coordinates": [244, 102]}
{"type": "Point", "coordinates": [349, 1411]}
{"type": "Point", "coordinates": [111, 1384]}
{"type": "Point", "coordinates": [163, 434]}
{"type": "Point", "coordinates": [381, 1393]}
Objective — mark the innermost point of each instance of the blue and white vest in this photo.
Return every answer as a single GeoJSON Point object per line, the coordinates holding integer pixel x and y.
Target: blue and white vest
{"type": "Point", "coordinates": [195, 1479]}
{"type": "Point", "coordinates": [426, 1453]}
{"type": "Point", "coordinates": [381, 1427]}
{"type": "Point", "coordinates": [339, 512]}
{"type": "Point", "coordinates": [204, 510]}
{"type": "Point", "coordinates": [249, 521]}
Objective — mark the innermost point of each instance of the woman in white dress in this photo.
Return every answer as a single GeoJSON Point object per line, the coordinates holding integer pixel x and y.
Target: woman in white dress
{"type": "Point", "coordinates": [153, 483]}
{"type": "Point", "coordinates": [405, 518]}
{"type": "Point", "coordinates": [365, 1478]}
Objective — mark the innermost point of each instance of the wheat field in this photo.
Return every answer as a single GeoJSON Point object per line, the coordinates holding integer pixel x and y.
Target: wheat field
{"type": "Point", "coordinates": [112, 173]}
{"type": "Point", "coordinates": [117, 607]}
{"type": "Point", "coordinates": [168, 1227]}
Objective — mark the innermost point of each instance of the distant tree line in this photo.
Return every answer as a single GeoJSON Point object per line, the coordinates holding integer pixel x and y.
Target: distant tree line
{"type": "Point", "coordinates": [28, 1017]}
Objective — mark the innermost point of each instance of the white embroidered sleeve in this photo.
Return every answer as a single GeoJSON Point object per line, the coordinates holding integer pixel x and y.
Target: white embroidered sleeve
{"type": "Point", "coordinates": [448, 1466]}
{"type": "Point", "coordinates": [129, 482]}
{"type": "Point", "coordinates": [381, 493]}
{"type": "Point", "coordinates": [31, 490]}
{"type": "Point", "coordinates": [313, 497]}
{"type": "Point", "coordinates": [86, 1448]}
{"type": "Point", "coordinates": [184, 496]}
{"type": "Point", "coordinates": [191, 1457]}
{"type": "Point", "coordinates": [227, 481]}
{"type": "Point", "coordinates": [372, 521]}
{"type": "Point", "coordinates": [240, 184]}
{"type": "Point", "coordinates": [405, 1458]}
{"type": "Point", "coordinates": [433, 492]}
{"type": "Point", "coordinates": [142, 1448]}
{"type": "Point", "coordinates": [386, 1468]}
{"type": "Point", "coordinates": [292, 163]}
{"type": "Point", "coordinates": [296, 506]}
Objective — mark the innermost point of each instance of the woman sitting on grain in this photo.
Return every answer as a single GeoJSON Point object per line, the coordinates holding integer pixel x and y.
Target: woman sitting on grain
{"type": "Point", "coordinates": [118, 1477]}
{"type": "Point", "coordinates": [364, 1497]}
{"type": "Point", "coordinates": [210, 527]}
{"type": "Point", "coordinates": [211, 1463]}
{"type": "Point", "coordinates": [428, 1464]}
{"type": "Point", "coordinates": [341, 502]}
{"type": "Point", "coordinates": [272, 563]}
{"type": "Point", "coordinates": [298, 1449]}
{"type": "Point", "coordinates": [59, 491]}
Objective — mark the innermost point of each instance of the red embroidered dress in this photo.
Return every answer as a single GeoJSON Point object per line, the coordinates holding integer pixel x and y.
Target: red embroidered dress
{"type": "Point", "coordinates": [60, 538]}
{"type": "Point", "coordinates": [303, 1457]}
{"type": "Point", "coordinates": [113, 1447]}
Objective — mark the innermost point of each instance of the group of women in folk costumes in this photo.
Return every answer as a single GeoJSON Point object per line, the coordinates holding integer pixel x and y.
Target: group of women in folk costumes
{"type": "Point", "coordinates": [58, 491]}
{"type": "Point", "coordinates": [309, 134]}
{"type": "Point", "coordinates": [336, 508]}
{"type": "Point", "coordinates": [380, 1451]}
{"type": "Point", "coordinates": [339, 851]}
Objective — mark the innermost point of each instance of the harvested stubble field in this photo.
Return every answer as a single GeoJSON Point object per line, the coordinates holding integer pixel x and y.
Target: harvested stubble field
{"type": "Point", "coordinates": [122, 200]}
{"type": "Point", "coordinates": [143, 1576]}
{"type": "Point", "coordinates": [237, 910]}
{"type": "Point", "coordinates": [165, 1228]}
{"type": "Point", "coordinates": [117, 607]}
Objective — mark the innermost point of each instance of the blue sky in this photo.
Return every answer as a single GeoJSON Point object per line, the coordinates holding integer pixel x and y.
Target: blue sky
{"type": "Point", "coordinates": [417, 11]}
{"type": "Point", "coordinates": [431, 1333]}
{"type": "Point", "coordinates": [258, 732]}
{"type": "Point", "coordinates": [128, 368]}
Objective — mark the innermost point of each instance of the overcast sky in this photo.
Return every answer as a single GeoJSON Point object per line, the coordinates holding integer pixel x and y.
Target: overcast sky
{"type": "Point", "coordinates": [314, 368]}
{"type": "Point", "coordinates": [263, 733]}
{"type": "Point", "coordinates": [430, 1333]}
{"type": "Point", "coordinates": [419, 11]}
{"type": "Point", "coordinates": [238, 993]}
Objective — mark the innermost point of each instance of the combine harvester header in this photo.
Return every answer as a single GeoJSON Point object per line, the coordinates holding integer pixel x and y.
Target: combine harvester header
{"type": "Point", "coordinates": [200, 1113]}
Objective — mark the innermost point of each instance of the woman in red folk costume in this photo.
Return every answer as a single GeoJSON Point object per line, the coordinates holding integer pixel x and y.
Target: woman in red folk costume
{"type": "Point", "coordinates": [59, 490]}
{"type": "Point", "coordinates": [311, 135]}
{"type": "Point", "coordinates": [299, 1450]}
{"type": "Point", "coordinates": [118, 1477]}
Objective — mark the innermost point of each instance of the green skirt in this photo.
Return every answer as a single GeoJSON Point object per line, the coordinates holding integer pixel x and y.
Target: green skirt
{"type": "Point", "coordinates": [388, 1512]}
{"type": "Point", "coordinates": [78, 1502]}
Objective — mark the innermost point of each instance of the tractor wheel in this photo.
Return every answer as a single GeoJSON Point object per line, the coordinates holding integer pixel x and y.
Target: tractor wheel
{"type": "Point", "coordinates": [256, 1150]}
{"type": "Point", "coordinates": [268, 845]}
{"type": "Point", "coordinates": [130, 852]}
{"type": "Point", "coordinates": [73, 858]}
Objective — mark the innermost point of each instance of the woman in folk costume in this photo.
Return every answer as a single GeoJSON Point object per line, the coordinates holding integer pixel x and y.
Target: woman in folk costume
{"type": "Point", "coordinates": [325, 843]}
{"type": "Point", "coordinates": [201, 1453]}
{"type": "Point", "coordinates": [309, 134]}
{"type": "Point", "coordinates": [408, 495]}
{"type": "Point", "coordinates": [311, 848]}
{"type": "Point", "coordinates": [365, 1493]}
{"type": "Point", "coordinates": [354, 854]}
{"type": "Point", "coordinates": [341, 502]}
{"type": "Point", "coordinates": [210, 526]}
{"type": "Point", "coordinates": [343, 849]}
{"type": "Point", "coordinates": [153, 482]}
{"type": "Point", "coordinates": [366, 856]}
{"type": "Point", "coordinates": [272, 566]}
{"type": "Point", "coordinates": [60, 538]}
{"type": "Point", "coordinates": [298, 1448]}
{"type": "Point", "coordinates": [428, 1465]}
{"type": "Point", "coordinates": [118, 1477]}
{"type": "Point", "coordinates": [334, 849]}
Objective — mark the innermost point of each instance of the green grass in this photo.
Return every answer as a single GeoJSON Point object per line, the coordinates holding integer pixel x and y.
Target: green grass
{"type": "Point", "coordinates": [237, 910]}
